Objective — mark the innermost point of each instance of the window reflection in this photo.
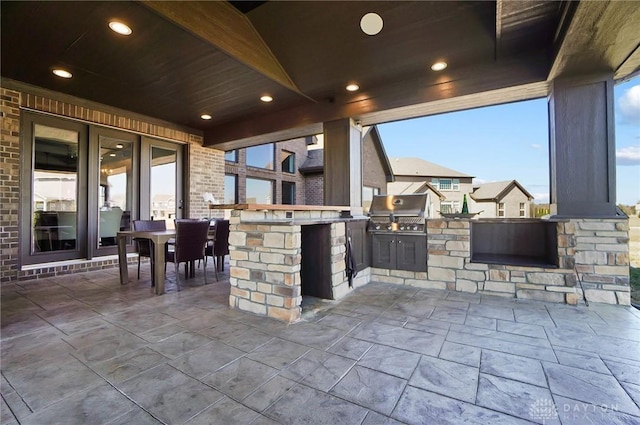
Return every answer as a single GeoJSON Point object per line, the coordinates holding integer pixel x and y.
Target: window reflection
{"type": "Point", "coordinates": [230, 188]}
{"type": "Point", "coordinates": [259, 191]}
{"type": "Point", "coordinates": [260, 156]}
{"type": "Point", "coordinates": [163, 185]}
{"type": "Point", "coordinates": [116, 164]}
{"type": "Point", "coordinates": [55, 189]}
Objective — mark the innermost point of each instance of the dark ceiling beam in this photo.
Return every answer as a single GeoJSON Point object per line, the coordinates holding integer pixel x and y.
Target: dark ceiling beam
{"type": "Point", "coordinates": [223, 26]}
{"type": "Point", "coordinates": [402, 92]}
{"type": "Point", "coordinates": [602, 36]}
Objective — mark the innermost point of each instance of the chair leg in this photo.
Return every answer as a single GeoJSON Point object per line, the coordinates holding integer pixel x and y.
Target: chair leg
{"type": "Point", "coordinates": [138, 266]}
{"type": "Point", "coordinates": [215, 267]}
{"type": "Point", "coordinates": [177, 275]}
{"type": "Point", "coordinates": [204, 270]}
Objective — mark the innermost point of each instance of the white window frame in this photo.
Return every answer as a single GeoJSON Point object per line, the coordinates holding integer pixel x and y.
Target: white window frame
{"type": "Point", "coordinates": [450, 207]}
{"type": "Point", "coordinates": [523, 210]}
{"type": "Point", "coordinates": [501, 209]}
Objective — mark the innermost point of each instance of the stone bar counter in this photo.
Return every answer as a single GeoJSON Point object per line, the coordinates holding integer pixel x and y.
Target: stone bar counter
{"type": "Point", "coordinates": [265, 255]}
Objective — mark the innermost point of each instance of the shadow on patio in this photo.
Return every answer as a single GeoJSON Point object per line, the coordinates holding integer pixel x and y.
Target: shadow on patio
{"type": "Point", "coordinates": [82, 349]}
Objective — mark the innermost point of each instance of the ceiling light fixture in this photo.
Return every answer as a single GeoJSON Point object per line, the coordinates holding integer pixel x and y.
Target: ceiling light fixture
{"type": "Point", "coordinates": [266, 98]}
{"type": "Point", "coordinates": [352, 87]}
{"type": "Point", "coordinates": [439, 66]}
{"type": "Point", "coordinates": [120, 28]}
{"type": "Point", "coordinates": [112, 154]}
{"type": "Point", "coordinates": [62, 73]}
{"type": "Point", "coordinates": [119, 146]}
{"type": "Point", "coordinates": [205, 116]}
{"type": "Point", "coordinates": [371, 24]}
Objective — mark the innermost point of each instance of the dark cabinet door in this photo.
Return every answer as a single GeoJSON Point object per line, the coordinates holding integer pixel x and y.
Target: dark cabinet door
{"type": "Point", "coordinates": [411, 253]}
{"type": "Point", "coordinates": [360, 244]}
{"type": "Point", "coordinates": [383, 252]}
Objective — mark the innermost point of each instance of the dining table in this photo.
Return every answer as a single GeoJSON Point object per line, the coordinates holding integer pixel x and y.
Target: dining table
{"type": "Point", "coordinates": [159, 238]}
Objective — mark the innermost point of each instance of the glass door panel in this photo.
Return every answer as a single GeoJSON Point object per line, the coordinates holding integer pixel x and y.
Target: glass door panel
{"type": "Point", "coordinates": [116, 197]}
{"type": "Point", "coordinates": [164, 201]}
{"type": "Point", "coordinates": [54, 198]}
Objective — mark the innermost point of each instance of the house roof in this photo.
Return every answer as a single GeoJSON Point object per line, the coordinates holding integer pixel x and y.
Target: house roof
{"type": "Point", "coordinates": [314, 162]}
{"type": "Point", "coordinates": [420, 167]}
{"type": "Point", "coordinates": [407, 188]}
{"type": "Point", "coordinates": [495, 191]}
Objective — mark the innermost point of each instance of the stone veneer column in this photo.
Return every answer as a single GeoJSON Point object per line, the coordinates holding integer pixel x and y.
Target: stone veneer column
{"type": "Point", "coordinates": [265, 267]}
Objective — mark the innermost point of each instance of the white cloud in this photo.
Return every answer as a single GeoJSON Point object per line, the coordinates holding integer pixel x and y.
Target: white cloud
{"type": "Point", "coordinates": [629, 105]}
{"type": "Point", "coordinates": [536, 146]}
{"type": "Point", "coordinates": [629, 155]}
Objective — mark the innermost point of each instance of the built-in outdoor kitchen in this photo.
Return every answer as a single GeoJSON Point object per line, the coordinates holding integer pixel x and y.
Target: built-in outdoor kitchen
{"type": "Point", "coordinates": [282, 253]}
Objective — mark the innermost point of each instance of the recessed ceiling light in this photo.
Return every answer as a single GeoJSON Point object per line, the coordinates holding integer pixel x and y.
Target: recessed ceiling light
{"type": "Point", "coordinates": [371, 24]}
{"type": "Point", "coordinates": [266, 98]}
{"type": "Point", "coordinates": [352, 87]}
{"type": "Point", "coordinates": [120, 28]}
{"type": "Point", "coordinates": [112, 154]}
{"type": "Point", "coordinates": [205, 116]}
{"type": "Point", "coordinates": [119, 146]}
{"type": "Point", "coordinates": [439, 66]}
{"type": "Point", "coordinates": [62, 73]}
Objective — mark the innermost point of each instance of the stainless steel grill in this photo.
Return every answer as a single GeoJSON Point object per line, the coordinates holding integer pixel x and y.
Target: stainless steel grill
{"type": "Point", "coordinates": [398, 213]}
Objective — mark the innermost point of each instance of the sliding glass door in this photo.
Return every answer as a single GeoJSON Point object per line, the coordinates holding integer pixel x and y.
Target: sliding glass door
{"type": "Point", "coordinates": [81, 184]}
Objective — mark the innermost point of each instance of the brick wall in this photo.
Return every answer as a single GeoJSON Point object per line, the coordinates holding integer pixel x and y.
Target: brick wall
{"type": "Point", "coordinates": [205, 171]}
{"type": "Point", "coordinates": [314, 189]}
{"type": "Point", "coordinates": [9, 182]}
{"type": "Point", "coordinates": [373, 174]}
{"type": "Point", "coordinates": [297, 146]}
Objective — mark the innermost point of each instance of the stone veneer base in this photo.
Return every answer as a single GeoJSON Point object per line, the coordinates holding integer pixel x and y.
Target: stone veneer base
{"type": "Point", "coordinates": [265, 262]}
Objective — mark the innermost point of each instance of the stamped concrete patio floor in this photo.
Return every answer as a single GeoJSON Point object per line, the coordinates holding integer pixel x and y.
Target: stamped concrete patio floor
{"type": "Point", "coordinates": [81, 349]}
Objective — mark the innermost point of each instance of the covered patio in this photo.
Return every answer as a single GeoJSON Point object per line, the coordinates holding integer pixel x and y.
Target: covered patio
{"type": "Point", "coordinates": [83, 349]}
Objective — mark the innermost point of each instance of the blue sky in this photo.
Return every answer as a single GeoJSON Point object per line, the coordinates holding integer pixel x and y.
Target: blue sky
{"type": "Point", "coordinates": [511, 141]}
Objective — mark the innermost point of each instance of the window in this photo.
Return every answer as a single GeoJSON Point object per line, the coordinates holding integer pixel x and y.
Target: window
{"type": "Point", "coordinates": [261, 156]}
{"type": "Point", "coordinates": [523, 211]}
{"type": "Point", "coordinates": [288, 162]}
{"type": "Point", "coordinates": [259, 191]}
{"type": "Point", "coordinates": [446, 184]}
{"type": "Point", "coordinates": [230, 189]}
{"type": "Point", "coordinates": [367, 196]}
{"type": "Point", "coordinates": [231, 156]}
{"type": "Point", "coordinates": [450, 207]}
{"type": "Point", "coordinates": [288, 193]}
{"type": "Point", "coordinates": [501, 209]}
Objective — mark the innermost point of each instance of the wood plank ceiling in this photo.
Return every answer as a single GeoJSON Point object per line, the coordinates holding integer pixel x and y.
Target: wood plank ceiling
{"type": "Point", "coordinates": [189, 58]}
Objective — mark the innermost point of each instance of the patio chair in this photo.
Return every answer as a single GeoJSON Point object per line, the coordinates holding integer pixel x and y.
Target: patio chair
{"type": "Point", "coordinates": [144, 246]}
{"type": "Point", "coordinates": [220, 246]}
{"type": "Point", "coordinates": [191, 238]}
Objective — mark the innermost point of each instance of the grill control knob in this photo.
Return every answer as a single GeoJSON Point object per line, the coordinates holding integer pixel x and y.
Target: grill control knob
{"type": "Point", "coordinates": [402, 227]}
{"type": "Point", "coordinates": [415, 227]}
{"type": "Point", "coordinates": [377, 227]}
{"type": "Point", "coordinates": [388, 227]}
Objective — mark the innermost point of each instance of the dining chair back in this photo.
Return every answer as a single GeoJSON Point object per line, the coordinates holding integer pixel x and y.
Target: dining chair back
{"type": "Point", "coordinates": [191, 239]}
{"type": "Point", "coordinates": [143, 246]}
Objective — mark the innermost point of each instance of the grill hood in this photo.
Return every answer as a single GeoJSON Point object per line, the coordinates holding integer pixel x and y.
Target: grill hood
{"type": "Point", "coordinates": [413, 205]}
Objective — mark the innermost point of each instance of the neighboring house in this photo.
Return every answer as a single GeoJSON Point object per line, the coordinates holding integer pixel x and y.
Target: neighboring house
{"type": "Point", "coordinates": [447, 187]}
{"type": "Point", "coordinates": [252, 175]}
{"type": "Point", "coordinates": [501, 199]}
{"type": "Point", "coordinates": [163, 206]}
